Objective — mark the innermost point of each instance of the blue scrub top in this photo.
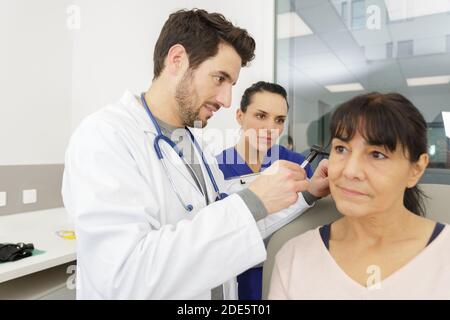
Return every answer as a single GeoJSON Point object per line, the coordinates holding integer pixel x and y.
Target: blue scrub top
{"type": "Point", "coordinates": [232, 165]}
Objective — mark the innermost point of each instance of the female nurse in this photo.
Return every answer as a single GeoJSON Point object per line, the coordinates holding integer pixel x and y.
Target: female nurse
{"type": "Point", "coordinates": [262, 114]}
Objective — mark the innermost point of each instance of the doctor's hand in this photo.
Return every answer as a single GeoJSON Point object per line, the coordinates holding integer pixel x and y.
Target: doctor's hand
{"type": "Point", "coordinates": [319, 185]}
{"type": "Point", "coordinates": [278, 186]}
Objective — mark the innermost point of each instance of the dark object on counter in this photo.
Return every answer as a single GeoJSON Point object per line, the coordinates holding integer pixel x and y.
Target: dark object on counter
{"type": "Point", "coordinates": [13, 252]}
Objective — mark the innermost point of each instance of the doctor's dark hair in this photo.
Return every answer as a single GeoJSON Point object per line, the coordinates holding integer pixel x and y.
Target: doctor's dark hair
{"type": "Point", "coordinates": [200, 33]}
{"type": "Point", "coordinates": [388, 120]}
{"type": "Point", "coordinates": [261, 86]}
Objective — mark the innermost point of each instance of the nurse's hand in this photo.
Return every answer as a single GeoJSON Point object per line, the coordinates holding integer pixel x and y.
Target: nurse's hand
{"type": "Point", "coordinates": [319, 185]}
{"type": "Point", "coordinates": [278, 186]}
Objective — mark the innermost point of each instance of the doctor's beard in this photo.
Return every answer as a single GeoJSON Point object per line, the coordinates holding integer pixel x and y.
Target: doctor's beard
{"type": "Point", "coordinates": [187, 100]}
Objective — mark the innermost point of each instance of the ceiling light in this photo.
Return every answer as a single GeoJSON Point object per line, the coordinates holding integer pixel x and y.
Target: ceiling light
{"type": "Point", "coordinates": [345, 87]}
{"type": "Point", "coordinates": [427, 81]}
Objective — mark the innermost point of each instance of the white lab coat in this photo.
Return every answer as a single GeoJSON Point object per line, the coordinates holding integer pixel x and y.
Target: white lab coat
{"type": "Point", "coordinates": [134, 239]}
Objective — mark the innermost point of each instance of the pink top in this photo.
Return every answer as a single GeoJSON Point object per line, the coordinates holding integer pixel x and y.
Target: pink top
{"type": "Point", "coordinates": [305, 269]}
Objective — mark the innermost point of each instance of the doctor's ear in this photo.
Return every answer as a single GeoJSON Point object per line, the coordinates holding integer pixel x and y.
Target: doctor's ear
{"type": "Point", "coordinates": [177, 60]}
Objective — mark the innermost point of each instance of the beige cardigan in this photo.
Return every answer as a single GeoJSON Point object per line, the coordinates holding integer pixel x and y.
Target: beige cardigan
{"type": "Point", "coordinates": [304, 269]}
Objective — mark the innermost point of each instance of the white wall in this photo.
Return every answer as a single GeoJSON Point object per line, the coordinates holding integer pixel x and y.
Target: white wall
{"type": "Point", "coordinates": [52, 77]}
{"type": "Point", "coordinates": [113, 50]}
{"type": "Point", "coordinates": [35, 77]}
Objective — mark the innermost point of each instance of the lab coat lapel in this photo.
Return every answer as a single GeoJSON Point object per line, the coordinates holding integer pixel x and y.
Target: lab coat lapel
{"type": "Point", "coordinates": [171, 158]}
{"type": "Point", "coordinates": [174, 161]}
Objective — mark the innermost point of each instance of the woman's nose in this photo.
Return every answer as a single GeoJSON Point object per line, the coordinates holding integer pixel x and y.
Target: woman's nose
{"type": "Point", "coordinates": [354, 167]}
{"type": "Point", "coordinates": [269, 132]}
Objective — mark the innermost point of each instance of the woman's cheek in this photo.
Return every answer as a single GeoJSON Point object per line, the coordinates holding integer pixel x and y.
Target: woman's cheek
{"type": "Point", "coordinates": [334, 168]}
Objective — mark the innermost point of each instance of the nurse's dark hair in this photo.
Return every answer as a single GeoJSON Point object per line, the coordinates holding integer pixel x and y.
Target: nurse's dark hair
{"type": "Point", "coordinates": [200, 33]}
{"type": "Point", "coordinates": [388, 120]}
{"type": "Point", "coordinates": [261, 86]}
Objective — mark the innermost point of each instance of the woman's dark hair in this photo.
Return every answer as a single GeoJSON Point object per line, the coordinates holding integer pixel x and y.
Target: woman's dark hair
{"type": "Point", "coordinates": [388, 120]}
{"type": "Point", "coordinates": [200, 33]}
{"type": "Point", "coordinates": [290, 140]}
{"type": "Point", "coordinates": [261, 86]}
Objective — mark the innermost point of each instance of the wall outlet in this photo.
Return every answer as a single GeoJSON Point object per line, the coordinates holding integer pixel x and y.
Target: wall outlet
{"type": "Point", "coordinates": [29, 196]}
{"type": "Point", "coordinates": [2, 199]}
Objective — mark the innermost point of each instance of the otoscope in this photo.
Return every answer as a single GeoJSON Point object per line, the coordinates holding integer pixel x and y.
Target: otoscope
{"type": "Point", "coordinates": [314, 152]}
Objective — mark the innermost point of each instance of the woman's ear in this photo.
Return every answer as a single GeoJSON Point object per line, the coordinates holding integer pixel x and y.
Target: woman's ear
{"type": "Point", "coordinates": [239, 116]}
{"type": "Point", "coordinates": [417, 170]}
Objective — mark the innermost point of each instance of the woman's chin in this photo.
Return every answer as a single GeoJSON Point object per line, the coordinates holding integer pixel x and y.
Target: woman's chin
{"type": "Point", "coordinates": [350, 209]}
{"type": "Point", "coordinates": [260, 147]}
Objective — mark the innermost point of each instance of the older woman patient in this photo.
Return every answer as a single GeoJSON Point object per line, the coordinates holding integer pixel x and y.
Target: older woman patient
{"type": "Point", "coordinates": [383, 247]}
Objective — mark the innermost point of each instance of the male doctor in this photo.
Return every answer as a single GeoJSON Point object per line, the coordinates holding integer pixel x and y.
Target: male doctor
{"type": "Point", "coordinates": [151, 223]}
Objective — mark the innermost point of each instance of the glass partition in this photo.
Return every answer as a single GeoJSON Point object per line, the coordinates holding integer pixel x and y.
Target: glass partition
{"type": "Point", "coordinates": [328, 51]}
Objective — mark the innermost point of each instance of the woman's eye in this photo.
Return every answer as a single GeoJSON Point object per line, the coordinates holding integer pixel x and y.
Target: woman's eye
{"type": "Point", "coordinates": [339, 149]}
{"type": "Point", "coordinates": [219, 79]}
{"type": "Point", "coordinates": [378, 155]}
{"type": "Point", "coordinates": [260, 116]}
{"type": "Point", "coordinates": [281, 121]}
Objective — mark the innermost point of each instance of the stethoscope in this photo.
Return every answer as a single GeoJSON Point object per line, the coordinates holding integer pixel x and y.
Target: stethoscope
{"type": "Point", "coordinates": [161, 137]}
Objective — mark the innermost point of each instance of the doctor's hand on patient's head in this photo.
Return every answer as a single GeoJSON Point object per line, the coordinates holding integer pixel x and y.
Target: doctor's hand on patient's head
{"type": "Point", "coordinates": [319, 185]}
{"type": "Point", "coordinates": [278, 186]}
